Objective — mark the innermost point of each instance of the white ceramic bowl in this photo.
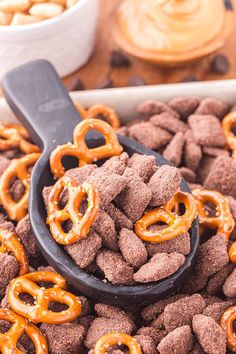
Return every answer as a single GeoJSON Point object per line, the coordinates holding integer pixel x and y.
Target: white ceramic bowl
{"type": "Point", "coordinates": [67, 41]}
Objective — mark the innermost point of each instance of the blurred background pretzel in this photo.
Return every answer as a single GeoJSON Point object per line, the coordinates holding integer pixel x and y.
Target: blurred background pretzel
{"type": "Point", "coordinates": [11, 243]}
{"type": "Point", "coordinates": [19, 169]}
{"type": "Point", "coordinates": [223, 220]}
{"type": "Point", "coordinates": [9, 340]}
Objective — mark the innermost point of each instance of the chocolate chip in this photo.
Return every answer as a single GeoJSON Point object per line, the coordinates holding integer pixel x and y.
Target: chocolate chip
{"type": "Point", "coordinates": [75, 85]}
{"type": "Point", "coordinates": [189, 78]}
{"type": "Point", "coordinates": [220, 64]}
{"type": "Point", "coordinates": [119, 60]}
{"type": "Point", "coordinates": [136, 81]}
{"type": "Point", "coordinates": [106, 83]}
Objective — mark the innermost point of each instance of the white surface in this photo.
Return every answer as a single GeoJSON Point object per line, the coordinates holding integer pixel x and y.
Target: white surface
{"type": "Point", "coordinates": [125, 100]}
{"type": "Point", "coordinates": [67, 41]}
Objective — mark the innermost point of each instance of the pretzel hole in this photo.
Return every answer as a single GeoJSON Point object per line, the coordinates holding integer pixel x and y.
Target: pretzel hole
{"type": "Point", "coordinates": [210, 209]}
{"type": "Point", "coordinates": [17, 189]}
{"type": "Point", "coordinates": [56, 306]}
{"type": "Point", "coordinates": [27, 298]}
{"type": "Point", "coordinates": [233, 128]}
{"type": "Point", "coordinates": [69, 162]}
{"type": "Point", "coordinates": [26, 342]}
{"type": "Point", "coordinates": [5, 326]}
{"type": "Point", "coordinates": [63, 200]}
{"type": "Point", "coordinates": [67, 225]}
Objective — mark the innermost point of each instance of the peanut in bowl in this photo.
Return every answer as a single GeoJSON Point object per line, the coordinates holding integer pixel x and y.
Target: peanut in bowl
{"type": "Point", "coordinates": [65, 38]}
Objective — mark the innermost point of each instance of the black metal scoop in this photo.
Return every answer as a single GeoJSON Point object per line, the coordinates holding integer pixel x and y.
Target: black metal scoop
{"type": "Point", "coordinates": [38, 98]}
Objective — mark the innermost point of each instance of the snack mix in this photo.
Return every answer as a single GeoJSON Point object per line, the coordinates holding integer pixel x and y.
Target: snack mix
{"type": "Point", "coordinates": [23, 12]}
{"type": "Point", "coordinates": [121, 219]}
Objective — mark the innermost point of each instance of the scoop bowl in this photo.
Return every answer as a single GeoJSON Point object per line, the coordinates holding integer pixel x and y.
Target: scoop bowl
{"type": "Point", "coordinates": [38, 98]}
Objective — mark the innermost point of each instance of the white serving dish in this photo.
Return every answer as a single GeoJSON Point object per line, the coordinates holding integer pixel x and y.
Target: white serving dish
{"type": "Point", "coordinates": [67, 41]}
{"type": "Point", "coordinates": [125, 100]}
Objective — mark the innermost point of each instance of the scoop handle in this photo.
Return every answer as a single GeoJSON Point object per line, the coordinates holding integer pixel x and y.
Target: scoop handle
{"type": "Point", "coordinates": [40, 101]}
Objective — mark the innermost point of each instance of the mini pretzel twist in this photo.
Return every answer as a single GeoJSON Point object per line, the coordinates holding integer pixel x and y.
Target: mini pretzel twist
{"type": "Point", "coordinates": [15, 135]}
{"type": "Point", "coordinates": [223, 221]}
{"type": "Point", "coordinates": [39, 312]}
{"type": "Point", "coordinates": [226, 322]}
{"type": "Point", "coordinates": [168, 213]}
{"type": "Point", "coordinates": [227, 125]}
{"type": "Point", "coordinates": [17, 169]}
{"type": "Point", "coordinates": [96, 110]}
{"type": "Point", "coordinates": [232, 252]}
{"type": "Point", "coordinates": [11, 243]}
{"type": "Point", "coordinates": [109, 340]}
{"type": "Point", "coordinates": [8, 340]}
{"type": "Point", "coordinates": [80, 149]}
{"type": "Point", "coordinates": [81, 223]}
{"type": "Point", "coordinates": [9, 138]}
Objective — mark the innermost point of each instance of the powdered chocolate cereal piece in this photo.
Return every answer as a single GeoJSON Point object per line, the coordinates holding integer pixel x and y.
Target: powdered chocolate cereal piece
{"type": "Point", "coordinates": [4, 163]}
{"type": "Point", "coordinates": [222, 175]}
{"type": "Point", "coordinates": [184, 105]}
{"type": "Point", "coordinates": [216, 310]}
{"type": "Point", "coordinates": [159, 322]}
{"type": "Point", "coordinates": [84, 251]}
{"type": "Point", "coordinates": [150, 107]}
{"type": "Point", "coordinates": [193, 186]}
{"type": "Point", "coordinates": [69, 342]}
{"type": "Point", "coordinates": [166, 121]}
{"type": "Point", "coordinates": [9, 268]}
{"type": "Point", "coordinates": [196, 281]}
{"type": "Point", "coordinates": [108, 185]}
{"type": "Point", "coordinates": [116, 164]}
{"type": "Point", "coordinates": [212, 255]}
{"type": "Point", "coordinates": [213, 106]}
{"type": "Point", "coordinates": [187, 174]}
{"type": "Point", "coordinates": [210, 335]}
{"type": "Point", "coordinates": [150, 136]}
{"type": "Point", "coordinates": [156, 334]}
{"type": "Point", "coordinates": [101, 326]}
{"type": "Point", "coordinates": [217, 280]}
{"type": "Point", "coordinates": [214, 151]}
{"type": "Point", "coordinates": [25, 233]}
{"type": "Point", "coordinates": [151, 312]}
{"type": "Point", "coordinates": [174, 150]}
{"type": "Point", "coordinates": [85, 321]}
{"type": "Point", "coordinates": [135, 197]}
{"type": "Point", "coordinates": [109, 311]}
{"type": "Point", "coordinates": [192, 152]}
{"type": "Point", "coordinates": [119, 218]}
{"type": "Point", "coordinates": [132, 248]}
{"type": "Point", "coordinates": [207, 130]}
{"type": "Point", "coordinates": [181, 312]}
{"type": "Point", "coordinates": [178, 341]}
{"type": "Point", "coordinates": [105, 227]}
{"type": "Point", "coordinates": [147, 344]}
{"type": "Point", "coordinates": [204, 168]}
{"type": "Point", "coordinates": [116, 270]}
{"type": "Point", "coordinates": [160, 266]}
{"type": "Point", "coordinates": [124, 130]}
{"type": "Point", "coordinates": [229, 287]}
{"type": "Point", "coordinates": [144, 165]}
{"type": "Point", "coordinates": [210, 299]}
{"type": "Point", "coordinates": [46, 193]}
{"type": "Point", "coordinates": [179, 244]}
{"type": "Point", "coordinates": [80, 174]}
{"type": "Point", "coordinates": [164, 184]}
{"type": "Point", "coordinates": [197, 349]}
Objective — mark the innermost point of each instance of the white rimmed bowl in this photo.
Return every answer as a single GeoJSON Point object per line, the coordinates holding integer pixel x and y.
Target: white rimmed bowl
{"type": "Point", "coordinates": [67, 41]}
